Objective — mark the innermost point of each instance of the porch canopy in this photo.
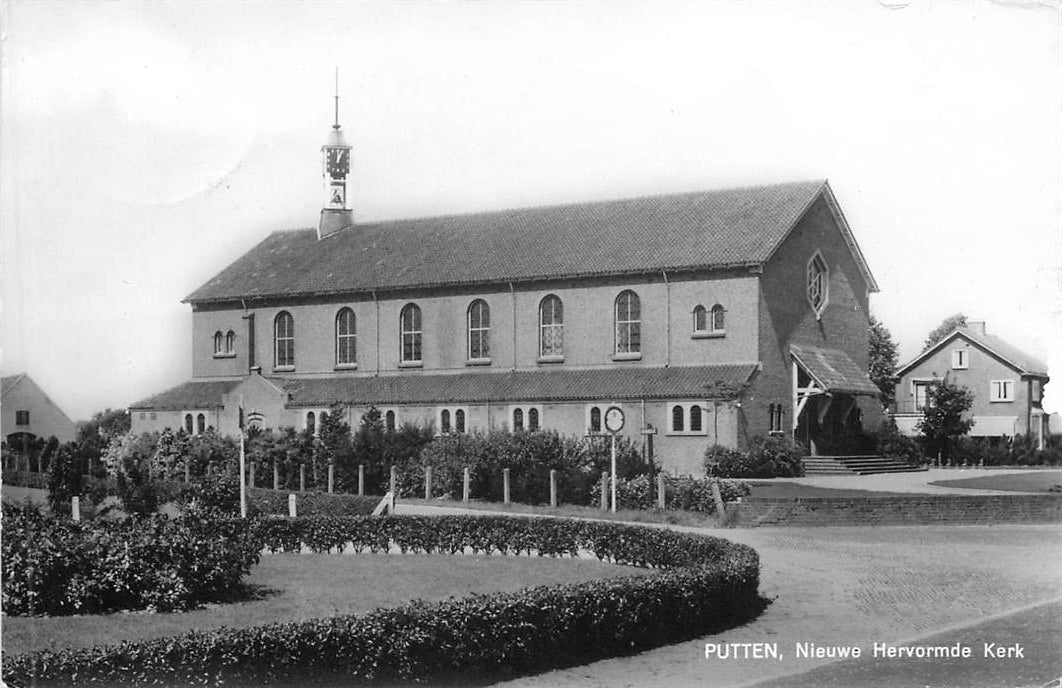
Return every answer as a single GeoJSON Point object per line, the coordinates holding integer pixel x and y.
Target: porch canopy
{"type": "Point", "coordinates": [819, 370]}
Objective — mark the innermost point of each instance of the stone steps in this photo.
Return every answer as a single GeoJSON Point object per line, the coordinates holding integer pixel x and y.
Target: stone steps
{"type": "Point", "coordinates": [855, 465]}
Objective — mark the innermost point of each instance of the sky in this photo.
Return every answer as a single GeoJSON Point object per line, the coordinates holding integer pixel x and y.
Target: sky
{"type": "Point", "coordinates": [144, 146]}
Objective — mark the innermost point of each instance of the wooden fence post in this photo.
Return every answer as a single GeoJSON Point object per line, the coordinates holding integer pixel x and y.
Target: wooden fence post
{"type": "Point", "coordinates": [291, 506]}
{"type": "Point", "coordinates": [302, 477]}
{"type": "Point", "coordinates": [394, 479]}
{"type": "Point", "coordinates": [604, 492]}
{"type": "Point", "coordinates": [276, 476]}
{"type": "Point", "coordinates": [427, 482]}
{"type": "Point", "coordinates": [505, 485]}
{"type": "Point", "coordinates": [553, 487]}
{"type": "Point", "coordinates": [250, 480]}
{"type": "Point", "coordinates": [661, 492]}
{"type": "Point", "coordinates": [361, 480]}
{"type": "Point", "coordinates": [467, 484]}
{"type": "Point", "coordinates": [187, 471]}
{"type": "Point", "coordinates": [331, 477]}
{"type": "Point", "coordinates": [75, 508]}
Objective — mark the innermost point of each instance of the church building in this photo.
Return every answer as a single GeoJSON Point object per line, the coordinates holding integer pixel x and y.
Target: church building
{"type": "Point", "coordinates": [706, 317]}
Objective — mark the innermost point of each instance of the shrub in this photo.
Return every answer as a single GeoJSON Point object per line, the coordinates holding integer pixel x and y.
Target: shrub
{"type": "Point", "coordinates": [65, 480]}
{"type": "Point", "coordinates": [890, 443]}
{"type": "Point", "coordinates": [56, 566]}
{"type": "Point", "coordinates": [309, 504]}
{"type": "Point", "coordinates": [768, 457]}
{"type": "Point", "coordinates": [705, 584]}
{"type": "Point", "coordinates": [681, 494]}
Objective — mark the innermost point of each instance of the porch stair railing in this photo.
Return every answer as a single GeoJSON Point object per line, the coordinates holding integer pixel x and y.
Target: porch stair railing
{"type": "Point", "coordinates": [855, 465]}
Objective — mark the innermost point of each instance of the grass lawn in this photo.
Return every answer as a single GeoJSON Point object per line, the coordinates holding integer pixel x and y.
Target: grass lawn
{"type": "Point", "coordinates": [1025, 481]}
{"type": "Point", "coordinates": [303, 586]}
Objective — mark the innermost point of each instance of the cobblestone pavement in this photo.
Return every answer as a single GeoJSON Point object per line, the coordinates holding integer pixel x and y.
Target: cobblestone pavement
{"type": "Point", "coordinates": [852, 586]}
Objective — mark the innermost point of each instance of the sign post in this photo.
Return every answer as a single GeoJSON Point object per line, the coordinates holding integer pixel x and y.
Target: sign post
{"type": "Point", "coordinates": [614, 423]}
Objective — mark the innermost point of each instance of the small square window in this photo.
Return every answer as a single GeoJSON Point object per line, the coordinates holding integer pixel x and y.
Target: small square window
{"type": "Point", "coordinates": [21, 417]}
{"type": "Point", "coordinates": [1001, 390]}
{"type": "Point", "coordinates": [960, 359]}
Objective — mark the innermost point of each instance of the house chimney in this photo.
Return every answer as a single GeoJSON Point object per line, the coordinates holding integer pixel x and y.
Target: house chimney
{"type": "Point", "coordinates": [976, 326]}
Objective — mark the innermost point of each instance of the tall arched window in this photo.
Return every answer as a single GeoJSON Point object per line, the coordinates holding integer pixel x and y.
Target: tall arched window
{"type": "Point", "coordinates": [718, 318]}
{"type": "Point", "coordinates": [459, 420]}
{"type": "Point", "coordinates": [478, 330]}
{"type": "Point", "coordinates": [444, 421]}
{"type": "Point", "coordinates": [311, 423]}
{"type": "Point", "coordinates": [188, 426]}
{"type": "Point", "coordinates": [230, 342]}
{"type": "Point", "coordinates": [219, 343]}
{"type": "Point", "coordinates": [551, 327]}
{"type": "Point", "coordinates": [346, 332]}
{"type": "Point", "coordinates": [518, 420]}
{"type": "Point", "coordinates": [700, 319]}
{"type": "Point", "coordinates": [411, 333]}
{"type": "Point", "coordinates": [628, 323]}
{"type": "Point", "coordinates": [532, 419]}
{"type": "Point", "coordinates": [595, 419]}
{"type": "Point", "coordinates": [389, 421]}
{"type": "Point", "coordinates": [677, 420]}
{"type": "Point", "coordinates": [200, 424]}
{"type": "Point", "coordinates": [283, 340]}
{"type": "Point", "coordinates": [695, 419]}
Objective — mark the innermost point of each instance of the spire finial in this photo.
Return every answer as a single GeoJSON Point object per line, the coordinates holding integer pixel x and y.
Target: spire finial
{"type": "Point", "coordinates": [336, 125]}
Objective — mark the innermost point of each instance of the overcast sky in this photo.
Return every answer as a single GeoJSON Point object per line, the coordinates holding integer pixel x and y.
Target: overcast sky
{"type": "Point", "coordinates": [146, 145]}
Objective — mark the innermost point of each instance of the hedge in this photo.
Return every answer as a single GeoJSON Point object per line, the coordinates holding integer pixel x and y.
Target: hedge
{"type": "Point", "coordinates": [681, 494]}
{"type": "Point", "coordinates": [311, 503]}
{"type": "Point", "coordinates": [705, 584]}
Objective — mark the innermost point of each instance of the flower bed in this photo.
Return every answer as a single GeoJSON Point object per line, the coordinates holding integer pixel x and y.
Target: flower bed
{"type": "Point", "coordinates": [704, 584]}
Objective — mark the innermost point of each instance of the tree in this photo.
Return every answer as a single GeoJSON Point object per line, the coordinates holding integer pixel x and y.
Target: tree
{"type": "Point", "coordinates": [883, 359]}
{"type": "Point", "coordinates": [942, 417]}
{"type": "Point", "coordinates": [93, 436]}
{"type": "Point", "coordinates": [64, 481]}
{"type": "Point", "coordinates": [333, 446]}
{"type": "Point", "coordinates": [943, 329]}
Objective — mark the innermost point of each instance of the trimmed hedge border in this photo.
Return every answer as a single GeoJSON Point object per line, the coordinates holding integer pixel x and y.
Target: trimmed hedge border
{"type": "Point", "coordinates": [705, 584]}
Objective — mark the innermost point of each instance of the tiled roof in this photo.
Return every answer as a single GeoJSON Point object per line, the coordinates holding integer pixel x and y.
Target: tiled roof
{"type": "Point", "coordinates": [687, 231]}
{"type": "Point", "coordinates": [1019, 360]}
{"type": "Point", "coordinates": [10, 381]}
{"type": "Point", "coordinates": [194, 394]}
{"type": "Point", "coordinates": [523, 386]}
{"type": "Point", "coordinates": [834, 370]}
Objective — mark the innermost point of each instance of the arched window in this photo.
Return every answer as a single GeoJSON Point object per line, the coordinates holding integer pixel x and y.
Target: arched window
{"type": "Point", "coordinates": [551, 327]}
{"type": "Point", "coordinates": [532, 419]}
{"type": "Point", "coordinates": [700, 319]}
{"type": "Point", "coordinates": [818, 283]}
{"type": "Point", "coordinates": [200, 424]}
{"type": "Point", "coordinates": [188, 427]}
{"type": "Point", "coordinates": [219, 343]}
{"type": "Point", "coordinates": [518, 420]}
{"type": "Point", "coordinates": [595, 419]}
{"type": "Point", "coordinates": [677, 419]}
{"type": "Point", "coordinates": [444, 421]}
{"type": "Point", "coordinates": [230, 342]}
{"type": "Point", "coordinates": [695, 419]}
{"type": "Point", "coordinates": [718, 318]}
{"type": "Point", "coordinates": [311, 423]}
{"type": "Point", "coordinates": [459, 420]}
{"type": "Point", "coordinates": [389, 421]}
{"type": "Point", "coordinates": [283, 340]}
{"type": "Point", "coordinates": [628, 323]}
{"type": "Point", "coordinates": [411, 334]}
{"type": "Point", "coordinates": [478, 330]}
{"type": "Point", "coordinates": [346, 351]}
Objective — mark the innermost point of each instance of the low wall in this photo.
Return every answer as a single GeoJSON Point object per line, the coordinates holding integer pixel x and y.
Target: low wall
{"type": "Point", "coordinates": [915, 509]}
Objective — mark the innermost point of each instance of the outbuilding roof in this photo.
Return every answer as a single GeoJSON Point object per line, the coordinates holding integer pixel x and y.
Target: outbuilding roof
{"type": "Point", "coordinates": [834, 370]}
{"type": "Point", "coordinates": [1017, 359]}
{"type": "Point", "coordinates": [688, 231]}
{"type": "Point", "coordinates": [190, 395]}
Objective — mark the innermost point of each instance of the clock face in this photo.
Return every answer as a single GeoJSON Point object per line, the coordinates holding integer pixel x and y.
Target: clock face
{"type": "Point", "coordinates": [614, 419]}
{"type": "Point", "coordinates": [338, 162]}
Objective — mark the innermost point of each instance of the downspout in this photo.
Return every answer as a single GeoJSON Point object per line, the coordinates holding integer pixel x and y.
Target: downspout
{"type": "Point", "coordinates": [1028, 407]}
{"type": "Point", "coordinates": [667, 325]}
{"type": "Point", "coordinates": [512, 291]}
{"type": "Point", "coordinates": [377, 304]}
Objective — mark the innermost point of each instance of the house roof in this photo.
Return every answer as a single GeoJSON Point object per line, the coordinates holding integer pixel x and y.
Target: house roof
{"type": "Point", "coordinates": [194, 394]}
{"type": "Point", "coordinates": [523, 386]}
{"type": "Point", "coordinates": [8, 383]}
{"type": "Point", "coordinates": [1005, 352]}
{"type": "Point", "coordinates": [688, 231]}
{"type": "Point", "coordinates": [834, 370]}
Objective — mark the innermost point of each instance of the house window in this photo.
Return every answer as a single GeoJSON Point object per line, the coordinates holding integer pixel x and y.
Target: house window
{"type": "Point", "coordinates": [219, 343]}
{"type": "Point", "coordinates": [22, 418]}
{"type": "Point", "coordinates": [677, 415]}
{"type": "Point", "coordinates": [346, 338]}
{"type": "Point", "coordinates": [700, 320]}
{"type": "Point", "coordinates": [451, 419]}
{"type": "Point", "coordinates": [532, 419]}
{"type": "Point", "coordinates": [718, 319]}
{"type": "Point", "coordinates": [200, 424]}
{"type": "Point", "coordinates": [154, 416]}
{"type": "Point", "coordinates": [284, 340]}
{"type": "Point", "coordinates": [526, 418]}
{"type": "Point", "coordinates": [595, 419]}
{"type": "Point", "coordinates": [389, 421]}
{"type": "Point", "coordinates": [518, 420]}
{"type": "Point", "coordinates": [696, 422]}
{"type": "Point", "coordinates": [444, 421]}
{"type": "Point", "coordinates": [921, 395]}
{"type": "Point", "coordinates": [775, 420]}
{"type": "Point", "coordinates": [686, 418]}
{"type": "Point", "coordinates": [1001, 390]}
{"type": "Point", "coordinates": [818, 283]}
{"type": "Point", "coordinates": [230, 342]}
{"type": "Point", "coordinates": [960, 359]}
{"type": "Point", "coordinates": [411, 334]}
{"type": "Point", "coordinates": [224, 344]}
{"type": "Point", "coordinates": [628, 323]}
{"type": "Point", "coordinates": [311, 423]}
{"type": "Point", "coordinates": [551, 327]}
{"type": "Point", "coordinates": [188, 426]}
{"type": "Point", "coordinates": [479, 331]}
{"type": "Point", "coordinates": [459, 420]}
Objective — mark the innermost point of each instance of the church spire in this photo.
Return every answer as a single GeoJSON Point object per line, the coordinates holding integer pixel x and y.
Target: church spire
{"type": "Point", "coordinates": [336, 213]}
